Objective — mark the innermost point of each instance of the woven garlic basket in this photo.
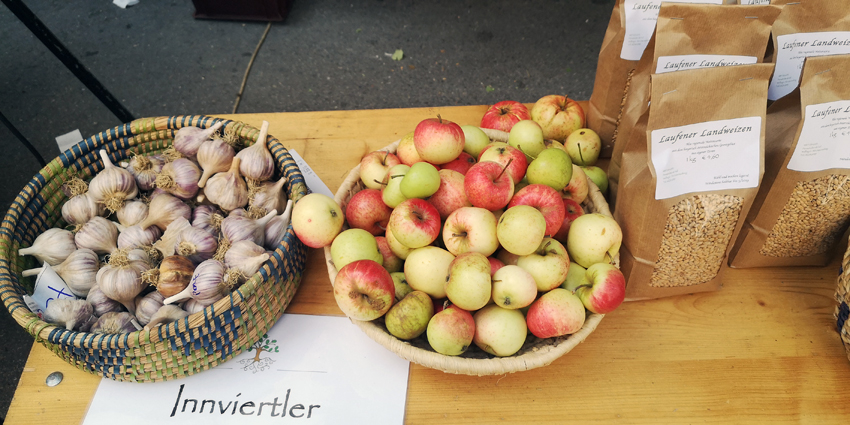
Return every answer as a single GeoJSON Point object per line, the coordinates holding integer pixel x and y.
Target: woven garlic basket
{"type": "Point", "coordinates": [536, 352]}
{"type": "Point", "coordinates": [188, 346]}
{"type": "Point", "coordinates": [842, 295]}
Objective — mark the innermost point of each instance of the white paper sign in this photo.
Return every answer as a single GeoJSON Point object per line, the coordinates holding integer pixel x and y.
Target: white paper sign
{"type": "Point", "coordinates": [825, 139]}
{"type": "Point", "coordinates": [48, 287]}
{"type": "Point", "coordinates": [706, 156]}
{"type": "Point", "coordinates": [314, 183]}
{"type": "Point", "coordinates": [685, 62]}
{"type": "Point", "coordinates": [641, 16]}
{"type": "Point", "coordinates": [311, 370]}
{"type": "Point", "coordinates": [747, 2]}
{"type": "Point", "coordinates": [793, 49]}
{"type": "Point", "coordinates": [67, 140]}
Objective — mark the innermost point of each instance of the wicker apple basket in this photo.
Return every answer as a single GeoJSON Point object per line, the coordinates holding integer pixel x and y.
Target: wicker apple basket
{"type": "Point", "coordinates": [842, 295]}
{"type": "Point", "coordinates": [536, 352]}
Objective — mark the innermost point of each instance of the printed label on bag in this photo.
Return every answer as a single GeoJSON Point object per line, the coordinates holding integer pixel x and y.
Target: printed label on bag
{"type": "Point", "coordinates": [825, 139]}
{"type": "Point", "coordinates": [641, 16]}
{"type": "Point", "coordinates": [685, 62]}
{"type": "Point", "coordinates": [748, 2]}
{"type": "Point", "coordinates": [715, 155]}
{"type": "Point", "coordinates": [793, 49]}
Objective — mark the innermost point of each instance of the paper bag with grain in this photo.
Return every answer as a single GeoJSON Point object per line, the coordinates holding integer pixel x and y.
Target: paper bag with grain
{"type": "Point", "coordinates": [689, 178]}
{"type": "Point", "coordinates": [803, 205]}
{"type": "Point", "coordinates": [629, 30]}
{"type": "Point", "coordinates": [687, 37]}
{"type": "Point", "coordinates": [807, 28]}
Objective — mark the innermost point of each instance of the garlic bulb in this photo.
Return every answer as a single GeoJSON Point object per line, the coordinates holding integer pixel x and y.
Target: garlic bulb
{"type": "Point", "coordinates": [78, 271]}
{"type": "Point", "coordinates": [196, 244]}
{"type": "Point", "coordinates": [51, 247]}
{"type": "Point", "coordinates": [168, 241]}
{"type": "Point", "coordinates": [101, 303]}
{"type": "Point", "coordinates": [79, 209]}
{"type": "Point", "coordinates": [275, 229]}
{"type": "Point", "coordinates": [174, 275]}
{"type": "Point", "coordinates": [207, 218]}
{"type": "Point", "coordinates": [164, 209]}
{"type": "Point", "coordinates": [166, 314]}
{"type": "Point", "coordinates": [73, 314]}
{"type": "Point", "coordinates": [145, 169]}
{"type": "Point", "coordinates": [188, 140]}
{"type": "Point", "coordinates": [227, 189]}
{"type": "Point", "coordinates": [133, 212]}
{"type": "Point", "coordinates": [214, 156]}
{"type": "Point", "coordinates": [239, 228]}
{"type": "Point", "coordinates": [112, 185]}
{"type": "Point", "coordinates": [121, 279]}
{"type": "Point", "coordinates": [193, 306]}
{"type": "Point", "coordinates": [142, 254]}
{"type": "Point", "coordinates": [268, 196]}
{"type": "Point", "coordinates": [245, 256]}
{"type": "Point", "coordinates": [147, 306]}
{"type": "Point", "coordinates": [114, 323]}
{"type": "Point", "coordinates": [135, 236]}
{"type": "Point", "coordinates": [238, 211]}
{"type": "Point", "coordinates": [99, 235]}
{"type": "Point", "coordinates": [210, 282]}
{"type": "Point", "coordinates": [256, 162]}
{"type": "Point", "coordinates": [179, 178]}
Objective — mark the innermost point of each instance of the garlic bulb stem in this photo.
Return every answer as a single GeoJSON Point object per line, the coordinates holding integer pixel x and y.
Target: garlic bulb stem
{"type": "Point", "coordinates": [214, 156]}
{"type": "Point", "coordinates": [53, 246]}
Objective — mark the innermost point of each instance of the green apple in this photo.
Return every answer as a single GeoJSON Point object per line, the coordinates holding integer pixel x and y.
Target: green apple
{"type": "Point", "coordinates": [598, 176]}
{"type": "Point", "coordinates": [451, 331]}
{"type": "Point", "coordinates": [468, 284]}
{"type": "Point", "coordinates": [513, 287]}
{"type": "Point", "coordinates": [421, 181]}
{"type": "Point", "coordinates": [527, 136]}
{"type": "Point", "coordinates": [409, 318]}
{"type": "Point", "coordinates": [474, 141]}
{"type": "Point", "coordinates": [594, 238]}
{"type": "Point", "coordinates": [576, 276]}
{"type": "Point", "coordinates": [521, 230]}
{"type": "Point", "coordinates": [552, 167]}
{"type": "Point", "coordinates": [426, 269]}
{"type": "Point", "coordinates": [352, 245]}
{"type": "Point", "coordinates": [499, 331]}
{"type": "Point", "coordinates": [399, 249]}
{"type": "Point", "coordinates": [548, 264]}
{"type": "Point", "coordinates": [402, 288]}
{"type": "Point", "coordinates": [391, 194]}
{"type": "Point", "coordinates": [584, 146]}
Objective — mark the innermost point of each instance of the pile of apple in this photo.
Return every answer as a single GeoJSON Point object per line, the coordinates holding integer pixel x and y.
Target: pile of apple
{"type": "Point", "coordinates": [471, 241]}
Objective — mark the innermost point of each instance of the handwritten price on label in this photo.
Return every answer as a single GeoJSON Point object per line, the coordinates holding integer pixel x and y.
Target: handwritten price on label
{"type": "Point", "coordinates": [840, 133]}
{"type": "Point", "coordinates": [706, 157]}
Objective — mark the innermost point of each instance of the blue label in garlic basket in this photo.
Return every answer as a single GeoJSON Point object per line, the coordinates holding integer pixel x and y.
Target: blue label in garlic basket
{"type": "Point", "coordinates": [714, 155]}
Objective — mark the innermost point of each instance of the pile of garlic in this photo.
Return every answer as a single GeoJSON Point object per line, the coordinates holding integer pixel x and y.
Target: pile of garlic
{"type": "Point", "coordinates": [163, 236]}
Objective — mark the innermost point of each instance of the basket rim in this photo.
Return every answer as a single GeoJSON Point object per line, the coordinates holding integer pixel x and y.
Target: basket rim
{"type": "Point", "coordinates": [532, 358]}
{"type": "Point", "coordinates": [78, 159]}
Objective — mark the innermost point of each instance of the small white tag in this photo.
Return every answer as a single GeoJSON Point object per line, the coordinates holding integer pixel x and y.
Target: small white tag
{"type": "Point", "coordinates": [48, 287]}
{"type": "Point", "coordinates": [314, 183]}
{"type": "Point", "coordinates": [685, 62]}
{"type": "Point", "coordinates": [793, 49]}
{"type": "Point", "coordinates": [67, 140]}
{"type": "Point", "coordinates": [825, 139]}
{"type": "Point", "coordinates": [124, 3]}
{"type": "Point", "coordinates": [706, 156]}
{"type": "Point", "coordinates": [641, 16]}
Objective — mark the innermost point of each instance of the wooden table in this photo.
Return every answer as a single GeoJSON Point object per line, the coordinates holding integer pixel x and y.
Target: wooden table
{"type": "Point", "coordinates": [761, 350]}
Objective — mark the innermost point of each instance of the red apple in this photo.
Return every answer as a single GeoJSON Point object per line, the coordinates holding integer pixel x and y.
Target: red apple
{"type": "Point", "coordinates": [606, 290]}
{"type": "Point", "coordinates": [470, 229]}
{"type": "Point", "coordinates": [558, 116]}
{"type": "Point", "coordinates": [415, 223]}
{"type": "Point", "coordinates": [364, 290]}
{"type": "Point", "coordinates": [488, 186]}
{"type": "Point", "coordinates": [503, 115]}
{"type": "Point", "coordinates": [572, 211]}
{"type": "Point", "coordinates": [392, 262]}
{"type": "Point", "coordinates": [450, 331]}
{"type": "Point", "coordinates": [506, 154]}
{"type": "Point", "coordinates": [495, 265]}
{"type": "Point", "coordinates": [577, 188]}
{"type": "Point", "coordinates": [461, 164]}
{"type": "Point", "coordinates": [556, 313]}
{"type": "Point", "coordinates": [374, 166]}
{"type": "Point", "coordinates": [366, 210]}
{"type": "Point", "coordinates": [544, 199]}
{"type": "Point", "coordinates": [450, 195]}
{"type": "Point", "coordinates": [438, 141]}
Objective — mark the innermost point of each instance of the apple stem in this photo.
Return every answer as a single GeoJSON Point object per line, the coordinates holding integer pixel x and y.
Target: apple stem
{"type": "Point", "coordinates": [380, 183]}
{"type": "Point", "coordinates": [504, 168]}
{"type": "Point", "coordinates": [459, 234]}
{"type": "Point", "coordinates": [564, 106]}
{"type": "Point", "coordinates": [582, 286]}
{"type": "Point", "coordinates": [579, 152]}
{"type": "Point", "coordinates": [397, 176]}
{"type": "Point", "coordinates": [439, 118]}
{"type": "Point", "coordinates": [384, 161]}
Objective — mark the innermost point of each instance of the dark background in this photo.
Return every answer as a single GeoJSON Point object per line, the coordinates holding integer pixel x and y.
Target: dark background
{"type": "Point", "coordinates": [156, 59]}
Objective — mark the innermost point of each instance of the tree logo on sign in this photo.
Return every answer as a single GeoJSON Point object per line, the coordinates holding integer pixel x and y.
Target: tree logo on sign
{"type": "Point", "coordinates": [256, 364]}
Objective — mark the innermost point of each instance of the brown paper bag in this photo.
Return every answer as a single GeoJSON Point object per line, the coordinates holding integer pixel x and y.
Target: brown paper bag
{"type": "Point", "coordinates": [807, 28]}
{"type": "Point", "coordinates": [689, 178]}
{"type": "Point", "coordinates": [687, 37]}
{"type": "Point", "coordinates": [803, 205]}
{"type": "Point", "coordinates": [629, 30]}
